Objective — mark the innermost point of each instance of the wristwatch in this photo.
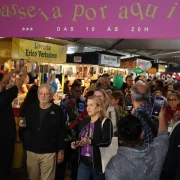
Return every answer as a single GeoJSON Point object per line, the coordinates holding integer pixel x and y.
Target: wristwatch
{"type": "Point", "coordinates": [61, 151]}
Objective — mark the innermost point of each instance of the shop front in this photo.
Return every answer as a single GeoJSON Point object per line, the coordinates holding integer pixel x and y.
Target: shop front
{"type": "Point", "coordinates": [88, 66]}
{"type": "Point", "coordinates": [40, 59]}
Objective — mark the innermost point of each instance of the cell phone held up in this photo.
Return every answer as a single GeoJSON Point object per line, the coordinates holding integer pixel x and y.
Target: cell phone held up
{"type": "Point", "coordinates": [157, 106]}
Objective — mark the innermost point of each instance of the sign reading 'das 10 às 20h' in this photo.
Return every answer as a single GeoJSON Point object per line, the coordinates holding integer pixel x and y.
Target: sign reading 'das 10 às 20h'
{"type": "Point", "coordinates": [90, 19]}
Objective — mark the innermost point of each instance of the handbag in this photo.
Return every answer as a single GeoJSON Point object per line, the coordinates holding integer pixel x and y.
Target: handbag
{"type": "Point", "coordinates": [108, 152]}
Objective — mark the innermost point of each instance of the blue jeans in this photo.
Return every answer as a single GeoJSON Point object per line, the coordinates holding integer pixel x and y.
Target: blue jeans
{"type": "Point", "coordinates": [84, 173]}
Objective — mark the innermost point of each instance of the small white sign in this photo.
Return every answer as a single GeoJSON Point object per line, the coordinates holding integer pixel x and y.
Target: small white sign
{"type": "Point", "coordinates": [140, 62]}
{"type": "Point", "coordinates": [77, 59]}
{"type": "Point", "coordinates": [108, 60]}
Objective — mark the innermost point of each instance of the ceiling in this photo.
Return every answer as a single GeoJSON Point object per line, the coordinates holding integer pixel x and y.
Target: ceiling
{"type": "Point", "coordinates": [162, 51]}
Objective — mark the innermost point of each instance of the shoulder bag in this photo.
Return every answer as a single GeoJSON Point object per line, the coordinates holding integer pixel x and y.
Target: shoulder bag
{"type": "Point", "coordinates": [108, 152]}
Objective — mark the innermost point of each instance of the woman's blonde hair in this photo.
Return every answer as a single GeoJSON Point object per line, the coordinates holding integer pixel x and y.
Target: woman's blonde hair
{"type": "Point", "coordinates": [99, 103]}
{"type": "Point", "coordinates": [106, 97]}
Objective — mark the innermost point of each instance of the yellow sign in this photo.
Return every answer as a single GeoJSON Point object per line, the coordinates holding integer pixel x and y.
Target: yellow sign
{"type": "Point", "coordinates": [5, 50]}
{"type": "Point", "coordinates": [161, 68]}
{"type": "Point", "coordinates": [34, 51]}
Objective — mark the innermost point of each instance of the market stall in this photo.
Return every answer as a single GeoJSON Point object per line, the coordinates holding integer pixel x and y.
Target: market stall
{"type": "Point", "coordinates": [41, 59]}
{"type": "Point", "coordinates": [88, 66]}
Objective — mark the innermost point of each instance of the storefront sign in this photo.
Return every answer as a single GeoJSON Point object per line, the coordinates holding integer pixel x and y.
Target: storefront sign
{"type": "Point", "coordinates": [129, 64]}
{"type": "Point", "coordinates": [161, 68]}
{"type": "Point", "coordinates": [111, 61]}
{"type": "Point", "coordinates": [34, 51]}
{"type": "Point", "coordinates": [95, 18]}
{"type": "Point", "coordinates": [141, 63]}
{"type": "Point", "coordinates": [77, 59]}
{"type": "Point", "coordinates": [5, 50]}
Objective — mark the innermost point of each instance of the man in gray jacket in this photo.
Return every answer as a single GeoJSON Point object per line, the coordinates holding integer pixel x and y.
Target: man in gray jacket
{"type": "Point", "coordinates": [134, 160]}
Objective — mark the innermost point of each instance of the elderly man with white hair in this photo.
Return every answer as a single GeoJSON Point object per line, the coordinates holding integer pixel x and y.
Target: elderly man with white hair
{"type": "Point", "coordinates": [45, 143]}
{"type": "Point", "coordinates": [141, 100]}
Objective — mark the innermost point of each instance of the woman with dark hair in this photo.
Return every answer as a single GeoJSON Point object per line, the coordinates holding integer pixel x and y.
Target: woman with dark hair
{"type": "Point", "coordinates": [133, 159]}
{"type": "Point", "coordinates": [173, 109]}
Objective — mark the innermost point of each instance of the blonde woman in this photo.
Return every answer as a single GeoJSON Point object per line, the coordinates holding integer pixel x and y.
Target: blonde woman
{"type": "Point", "coordinates": [93, 136]}
{"type": "Point", "coordinates": [110, 110]}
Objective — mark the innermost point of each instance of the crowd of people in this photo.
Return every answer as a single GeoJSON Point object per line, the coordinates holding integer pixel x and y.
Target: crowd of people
{"type": "Point", "coordinates": [64, 142]}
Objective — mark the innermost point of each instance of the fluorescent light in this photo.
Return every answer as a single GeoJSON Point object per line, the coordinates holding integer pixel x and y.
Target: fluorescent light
{"type": "Point", "coordinates": [70, 52]}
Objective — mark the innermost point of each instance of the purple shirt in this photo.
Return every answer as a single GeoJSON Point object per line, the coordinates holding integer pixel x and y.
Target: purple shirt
{"type": "Point", "coordinates": [87, 132]}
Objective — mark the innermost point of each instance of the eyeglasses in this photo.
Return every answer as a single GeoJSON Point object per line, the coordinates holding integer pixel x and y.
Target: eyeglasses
{"type": "Point", "coordinates": [172, 100]}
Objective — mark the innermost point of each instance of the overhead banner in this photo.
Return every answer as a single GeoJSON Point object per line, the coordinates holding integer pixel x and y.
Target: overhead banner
{"type": "Point", "coordinates": [108, 60]}
{"type": "Point", "coordinates": [35, 51]}
{"type": "Point", "coordinates": [90, 19]}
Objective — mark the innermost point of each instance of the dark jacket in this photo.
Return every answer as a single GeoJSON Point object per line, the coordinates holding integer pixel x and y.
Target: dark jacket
{"type": "Point", "coordinates": [47, 136]}
{"type": "Point", "coordinates": [7, 130]}
{"type": "Point", "coordinates": [171, 168]}
{"type": "Point", "coordinates": [7, 120]}
{"type": "Point", "coordinates": [101, 138]}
